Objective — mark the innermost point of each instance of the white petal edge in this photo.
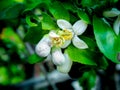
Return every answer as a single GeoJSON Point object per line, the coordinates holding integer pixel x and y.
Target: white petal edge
{"type": "Point", "coordinates": [77, 42]}
{"type": "Point", "coordinates": [112, 13]}
{"type": "Point", "coordinates": [45, 39]}
{"type": "Point", "coordinates": [79, 27]}
{"type": "Point", "coordinates": [57, 56]}
{"type": "Point", "coordinates": [53, 34]}
{"type": "Point", "coordinates": [66, 43]}
{"type": "Point", "coordinates": [65, 68]}
{"type": "Point", "coordinates": [63, 24]}
{"type": "Point", "coordinates": [116, 25]}
{"type": "Point", "coordinates": [42, 49]}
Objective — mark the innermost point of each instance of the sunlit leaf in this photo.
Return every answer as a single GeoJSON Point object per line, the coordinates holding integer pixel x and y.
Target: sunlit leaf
{"type": "Point", "coordinates": [82, 56]}
{"type": "Point", "coordinates": [34, 34]}
{"type": "Point", "coordinates": [35, 59]}
{"type": "Point", "coordinates": [106, 39]}
{"type": "Point", "coordinates": [83, 16]}
{"type": "Point", "coordinates": [48, 23]}
{"type": "Point", "coordinates": [58, 11]}
{"type": "Point", "coordinates": [29, 22]}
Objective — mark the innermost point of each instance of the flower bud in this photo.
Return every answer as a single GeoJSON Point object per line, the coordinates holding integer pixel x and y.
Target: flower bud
{"type": "Point", "coordinates": [57, 56]}
{"type": "Point", "coordinates": [112, 13]}
{"type": "Point", "coordinates": [42, 49]}
{"type": "Point", "coordinates": [65, 67]}
{"type": "Point", "coordinates": [116, 25]}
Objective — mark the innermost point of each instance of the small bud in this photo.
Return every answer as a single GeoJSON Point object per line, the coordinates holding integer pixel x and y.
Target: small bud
{"type": "Point", "coordinates": [112, 13]}
{"type": "Point", "coordinates": [66, 66]}
{"type": "Point", "coordinates": [116, 25]}
{"type": "Point", "coordinates": [57, 56]}
{"type": "Point", "coordinates": [42, 49]}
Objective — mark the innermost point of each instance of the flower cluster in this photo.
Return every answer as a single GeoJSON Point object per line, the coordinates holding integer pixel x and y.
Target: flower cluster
{"type": "Point", "coordinates": [51, 45]}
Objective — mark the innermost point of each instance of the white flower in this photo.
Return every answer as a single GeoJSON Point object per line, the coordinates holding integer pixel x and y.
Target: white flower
{"type": "Point", "coordinates": [70, 33]}
{"type": "Point", "coordinates": [48, 42]}
{"type": "Point", "coordinates": [113, 13]}
{"type": "Point", "coordinates": [43, 48]}
{"type": "Point", "coordinates": [59, 59]}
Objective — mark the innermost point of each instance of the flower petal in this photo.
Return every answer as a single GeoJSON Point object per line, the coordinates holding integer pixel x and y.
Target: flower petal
{"type": "Point", "coordinates": [57, 56]}
{"type": "Point", "coordinates": [63, 24]}
{"type": "Point", "coordinates": [53, 34]}
{"type": "Point", "coordinates": [45, 39]}
{"type": "Point", "coordinates": [116, 25]}
{"type": "Point", "coordinates": [42, 49]}
{"type": "Point", "coordinates": [79, 27]}
{"type": "Point", "coordinates": [65, 67]}
{"type": "Point", "coordinates": [112, 13]}
{"type": "Point", "coordinates": [77, 42]}
{"type": "Point", "coordinates": [66, 43]}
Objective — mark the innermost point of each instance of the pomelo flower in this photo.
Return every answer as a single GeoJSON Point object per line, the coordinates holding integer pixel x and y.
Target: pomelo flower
{"type": "Point", "coordinates": [70, 33]}
{"type": "Point", "coordinates": [49, 47]}
{"type": "Point", "coordinates": [113, 13]}
{"type": "Point", "coordinates": [53, 43]}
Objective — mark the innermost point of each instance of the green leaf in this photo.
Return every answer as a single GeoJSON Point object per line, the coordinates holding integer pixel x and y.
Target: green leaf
{"type": "Point", "coordinates": [73, 18]}
{"type": "Point", "coordinates": [28, 20]}
{"type": "Point", "coordinates": [34, 34]}
{"type": "Point", "coordinates": [12, 12]}
{"type": "Point", "coordinates": [83, 16]}
{"type": "Point", "coordinates": [12, 39]}
{"type": "Point", "coordinates": [4, 76]}
{"type": "Point", "coordinates": [35, 59]}
{"type": "Point", "coordinates": [31, 4]}
{"type": "Point", "coordinates": [48, 23]}
{"type": "Point", "coordinates": [88, 80]}
{"type": "Point", "coordinates": [83, 56]}
{"type": "Point", "coordinates": [107, 41]}
{"type": "Point", "coordinates": [69, 6]}
{"type": "Point", "coordinates": [58, 11]}
{"type": "Point", "coordinates": [90, 42]}
{"type": "Point", "coordinates": [88, 3]}
{"type": "Point", "coordinates": [97, 56]}
{"type": "Point", "coordinates": [4, 5]}
{"type": "Point", "coordinates": [101, 62]}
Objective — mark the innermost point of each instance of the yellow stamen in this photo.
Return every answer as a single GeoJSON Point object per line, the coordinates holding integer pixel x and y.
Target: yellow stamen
{"type": "Point", "coordinates": [57, 41]}
{"type": "Point", "coordinates": [66, 34]}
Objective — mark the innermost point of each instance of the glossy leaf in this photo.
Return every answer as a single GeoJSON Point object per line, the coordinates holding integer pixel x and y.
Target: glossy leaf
{"type": "Point", "coordinates": [35, 59]}
{"type": "Point", "coordinates": [31, 4]}
{"type": "Point", "coordinates": [101, 62]}
{"type": "Point", "coordinates": [34, 34]}
{"type": "Point", "coordinates": [29, 22]}
{"type": "Point", "coordinates": [106, 39]}
{"type": "Point", "coordinates": [48, 23]}
{"type": "Point", "coordinates": [12, 12]}
{"type": "Point", "coordinates": [58, 11]}
{"type": "Point", "coordinates": [83, 56]}
{"type": "Point", "coordinates": [83, 16]}
{"type": "Point", "coordinates": [88, 80]}
{"type": "Point", "coordinates": [88, 3]}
